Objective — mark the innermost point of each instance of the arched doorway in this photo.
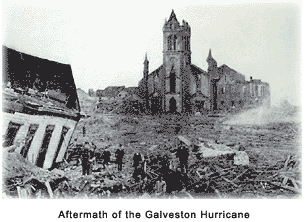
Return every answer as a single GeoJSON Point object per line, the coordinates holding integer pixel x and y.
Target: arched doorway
{"type": "Point", "coordinates": [172, 106]}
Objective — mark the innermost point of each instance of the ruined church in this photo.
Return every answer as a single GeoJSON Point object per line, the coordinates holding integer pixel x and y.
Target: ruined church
{"type": "Point", "coordinates": [178, 86]}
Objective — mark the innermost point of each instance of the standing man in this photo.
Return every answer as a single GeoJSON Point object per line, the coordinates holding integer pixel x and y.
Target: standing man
{"type": "Point", "coordinates": [119, 157]}
{"type": "Point", "coordinates": [106, 157]}
{"type": "Point", "coordinates": [138, 172]}
{"type": "Point", "coordinates": [86, 159]}
{"type": "Point", "coordinates": [160, 186]}
{"type": "Point", "coordinates": [137, 160]}
{"type": "Point", "coordinates": [183, 154]}
{"type": "Point", "coordinates": [84, 131]}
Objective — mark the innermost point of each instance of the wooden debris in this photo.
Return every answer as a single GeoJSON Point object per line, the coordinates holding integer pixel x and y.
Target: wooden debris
{"type": "Point", "coordinates": [286, 162]}
{"type": "Point", "coordinates": [241, 158]}
{"type": "Point", "coordinates": [184, 140]}
{"type": "Point", "coordinates": [212, 174]}
{"type": "Point", "coordinates": [49, 189]}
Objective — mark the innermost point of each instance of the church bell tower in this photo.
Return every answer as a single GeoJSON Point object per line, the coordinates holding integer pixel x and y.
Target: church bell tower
{"type": "Point", "coordinates": [176, 59]}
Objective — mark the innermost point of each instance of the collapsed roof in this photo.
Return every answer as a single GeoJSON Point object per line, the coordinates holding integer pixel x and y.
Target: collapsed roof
{"type": "Point", "coordinates": [24, 72]}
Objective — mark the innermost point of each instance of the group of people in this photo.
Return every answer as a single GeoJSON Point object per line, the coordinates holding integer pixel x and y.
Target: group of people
{"type": "Point", "coordinates": [88, 157]}
{"type": "Point", "coordinates": [139, 164]}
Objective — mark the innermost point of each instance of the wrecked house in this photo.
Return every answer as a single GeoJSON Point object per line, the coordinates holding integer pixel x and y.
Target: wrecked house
{"type": "Point", "coordinates": [40, 107]}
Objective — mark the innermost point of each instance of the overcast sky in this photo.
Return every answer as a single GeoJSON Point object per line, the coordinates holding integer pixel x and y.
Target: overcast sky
{"type": "Point", "coordinates": [105, 41]}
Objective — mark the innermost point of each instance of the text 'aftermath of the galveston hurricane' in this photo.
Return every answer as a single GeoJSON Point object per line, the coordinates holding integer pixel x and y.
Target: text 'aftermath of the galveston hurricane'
{"type": "Point", "coordinates": [183, 132]}
{"type": "Point", "coordinates": [153, 215]}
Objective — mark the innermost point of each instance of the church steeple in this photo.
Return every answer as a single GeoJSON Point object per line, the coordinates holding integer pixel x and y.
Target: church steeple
{"type": "Point", "coordinates": [172, 16]}
{"type": "Point", "coordinates": [212, 64]}
{"type": "Point", "coordinates": [172, 24]}
{"type": "Point", "coordinates": [146, 66]}
{"type": "Point", "coordinates": [146, 58]}
{"type": "Point", "coordinates": [210, 57]}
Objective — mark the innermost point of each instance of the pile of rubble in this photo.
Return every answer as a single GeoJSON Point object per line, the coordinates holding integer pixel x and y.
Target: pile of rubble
{"type": "Point", "coordinates": [25, 180]}
{"type": "Point", "coordinates": [215, 170]}
{"type": "Point", "coordinates": [128, 105]}
{"type": "Point", "coordinates": [231, 172]}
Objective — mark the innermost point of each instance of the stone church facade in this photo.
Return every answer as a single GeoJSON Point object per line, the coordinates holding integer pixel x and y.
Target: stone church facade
{"type": "Point", "coordinates": [179, 86]}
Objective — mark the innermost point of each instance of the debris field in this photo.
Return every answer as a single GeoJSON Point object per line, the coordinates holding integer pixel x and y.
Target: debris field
{"type": "Point", "coordinates": [225, 161]}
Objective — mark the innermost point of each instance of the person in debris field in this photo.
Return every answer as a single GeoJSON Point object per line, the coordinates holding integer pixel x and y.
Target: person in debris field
{"type": "Point", "coordinates": [84, 131]}
{"type": "Point", "coordinates": [106, 157]}
{"type": "Point", "coordinates": [93, 152]}
{"type": "Point", "coordinates": [119, 157]}
{"type": "Point", "coordinates": [160, 186]}
{"type": "Point", "coordinates": [137, 160]}
{"type": "Point", "coordinates": [183, 154]}
{"type": "Point", "coordinates": [137, 164]}
{"type": "Point", "coordinates": [144, 163]}
{"type": "Point", "coordinates": [87, 159]}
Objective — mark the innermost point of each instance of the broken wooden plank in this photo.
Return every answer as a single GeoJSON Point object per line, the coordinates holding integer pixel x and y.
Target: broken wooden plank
{"type": "Point", "coordinates": [294, 183]}
{"type": "Point", "coordinates": [287, 187]}
{"type": "Point", "coordinates": [286, 162]}
{"type": "Point", "coordinates": [218, 193]}
{"type": "Point", "coordinates": [184, 140]}
{"type": "Point", "coordinates": [19, 192]}
{"type": "Point", "coordinates": [49, 189]}
{"type": "Point", "coordinates": [229, 181]}
{"type": "Point", "coordinates": [241, 174]}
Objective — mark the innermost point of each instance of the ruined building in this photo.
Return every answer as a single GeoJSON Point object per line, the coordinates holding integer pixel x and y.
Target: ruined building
{"type": "Point", "coordinates": [179, 86]}
{"type": "Point", "coordinates": [40, 107]}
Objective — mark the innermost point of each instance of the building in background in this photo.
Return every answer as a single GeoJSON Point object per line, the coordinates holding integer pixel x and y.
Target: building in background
{"type": "Point", "coordinates": [179, 86]}
{"type": "Point", "coordinates": [40, 107]}
{"type": "Point", "coordinates": [91, 93]}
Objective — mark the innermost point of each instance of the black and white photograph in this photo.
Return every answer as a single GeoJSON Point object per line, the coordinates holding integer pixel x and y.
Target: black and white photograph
{"type": "Point", "coordinates": [142, 100]}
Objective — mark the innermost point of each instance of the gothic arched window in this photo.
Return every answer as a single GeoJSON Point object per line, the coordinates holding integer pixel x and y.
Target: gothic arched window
{"type": "Point", "coordinates": [169, 39]}
{"type": "Point", "coordinates": [172, 81]}
{"type": "Point", "coordinates": [174, 42]}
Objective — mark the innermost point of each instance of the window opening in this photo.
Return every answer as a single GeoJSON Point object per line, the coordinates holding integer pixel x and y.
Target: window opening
{"type": "Point", "coordinates": [11, 133]}
{"type": "Point", "coordinates": [172, 105]}
{"type": "Point", "coordinates": [28, 140]}
{"type": "Point", "coordinates": [223, 90]}
{"type": "Point", "coordinates": [172, 81]}
{"type": "Point", "coordinates": [44, 147]}
{"type": "Point", "coordinates": [174, 42]}
{"type": "Point", "coordinates": [169, 39]}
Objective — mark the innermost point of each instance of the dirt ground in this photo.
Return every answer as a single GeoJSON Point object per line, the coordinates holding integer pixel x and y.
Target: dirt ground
{"type": "Point", "coordinates": [271, 138]}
